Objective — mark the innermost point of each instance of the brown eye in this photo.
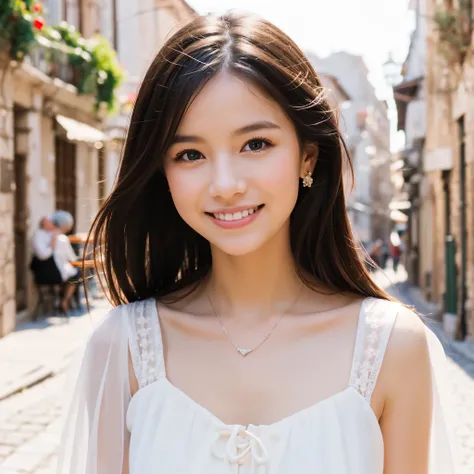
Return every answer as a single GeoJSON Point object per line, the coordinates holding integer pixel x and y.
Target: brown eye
{"type": "Point", "coordinates": [256, 145]}
{"type": "Point", "coordinates": [189, 155]}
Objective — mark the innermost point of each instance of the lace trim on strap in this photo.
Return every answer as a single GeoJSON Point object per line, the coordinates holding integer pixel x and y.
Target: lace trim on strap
{"type": "Point", "coordinates": [376, 321]}
{"type": "Point", "coordinates": [146, 345]}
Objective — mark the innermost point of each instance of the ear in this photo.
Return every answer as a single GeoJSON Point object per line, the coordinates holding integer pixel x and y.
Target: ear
{"type": "Point", "coordinates": [309, 159]}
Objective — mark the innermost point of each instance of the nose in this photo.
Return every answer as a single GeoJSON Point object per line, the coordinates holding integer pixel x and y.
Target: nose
{"type": "Point", "coordinates": [225, 181]}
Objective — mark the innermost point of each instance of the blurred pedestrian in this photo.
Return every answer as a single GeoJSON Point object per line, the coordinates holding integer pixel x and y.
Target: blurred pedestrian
{"type": "Point", "coordinates": [241, 294]}
{"type": "Point", "coordinates": [395, 250]}
{"type": "Point", "coordinates": [385, 255]}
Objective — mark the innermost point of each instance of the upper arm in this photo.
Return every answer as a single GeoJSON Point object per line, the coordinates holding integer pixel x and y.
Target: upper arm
{"type": "Point", "coordinates": [41, 248]}
{"type": "Point", "coordinates": [406, 382]}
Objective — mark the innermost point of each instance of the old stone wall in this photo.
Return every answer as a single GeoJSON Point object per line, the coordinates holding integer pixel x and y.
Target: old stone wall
{"type": "Point", "coordinates": [7, 249]}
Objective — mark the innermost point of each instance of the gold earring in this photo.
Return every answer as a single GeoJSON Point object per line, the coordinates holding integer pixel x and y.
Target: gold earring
{"type": "Point", "coordinates": [307, 180]}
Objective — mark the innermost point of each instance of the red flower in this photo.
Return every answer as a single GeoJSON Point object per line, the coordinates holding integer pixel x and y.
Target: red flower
{"type": "Point", "coordinates": [39, 23]}
{"type": "Point", "coordinates": [38, 7]}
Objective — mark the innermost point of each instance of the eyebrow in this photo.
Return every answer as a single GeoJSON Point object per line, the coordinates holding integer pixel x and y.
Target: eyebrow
{"type": "Point", "coordinates": [253, 127]}
{"type": "Point", "coordinates": [262, 125]}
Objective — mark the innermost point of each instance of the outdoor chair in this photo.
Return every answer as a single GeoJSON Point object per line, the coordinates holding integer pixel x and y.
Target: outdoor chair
{"type": "Point", "coordinates": [48, 298]}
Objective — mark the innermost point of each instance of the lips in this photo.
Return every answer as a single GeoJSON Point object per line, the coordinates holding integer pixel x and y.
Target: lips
{"type": "Point", "coordinates": [235, 215]}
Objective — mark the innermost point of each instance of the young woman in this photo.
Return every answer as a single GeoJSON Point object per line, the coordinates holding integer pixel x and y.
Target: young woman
{"type": "Point", "coordinates": [247, 335]}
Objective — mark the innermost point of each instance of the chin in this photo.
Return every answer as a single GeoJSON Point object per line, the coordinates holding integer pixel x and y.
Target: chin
{"type": "Point", "coordinates": [244, 241]}
{"type": "Point", "coordinates": [237, 247]}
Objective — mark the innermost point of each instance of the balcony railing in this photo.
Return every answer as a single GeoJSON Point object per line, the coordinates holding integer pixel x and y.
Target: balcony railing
{"type": "Point", "coordinates": [59, 51]}
{"type": "Point", "coordinates": [52, 61]}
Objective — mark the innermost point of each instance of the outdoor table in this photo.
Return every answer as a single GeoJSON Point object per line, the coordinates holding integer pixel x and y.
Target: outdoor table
{"type": "Point", "coordinates": [87, 264]}
{"type": "Point", "coordinates": [78, 238]}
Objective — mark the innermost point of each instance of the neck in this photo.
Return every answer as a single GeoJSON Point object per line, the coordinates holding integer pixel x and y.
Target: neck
{"type": "Point", "coordinates": [256, 285]}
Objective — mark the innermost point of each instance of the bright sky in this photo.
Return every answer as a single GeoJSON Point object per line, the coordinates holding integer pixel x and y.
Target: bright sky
{"type": "Point", "coordinates": [370, 28]}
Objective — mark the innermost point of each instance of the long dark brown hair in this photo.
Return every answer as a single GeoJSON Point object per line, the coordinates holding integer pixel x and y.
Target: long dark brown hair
{"type": "Point", "coordinates": [141, 245]}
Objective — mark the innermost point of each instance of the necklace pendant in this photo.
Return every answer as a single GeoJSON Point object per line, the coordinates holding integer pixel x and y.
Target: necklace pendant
{"type": "Point", "coordinates": [244, 352]}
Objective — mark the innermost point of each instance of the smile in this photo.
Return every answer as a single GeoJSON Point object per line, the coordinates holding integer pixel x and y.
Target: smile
{"type": "Point", "coordinates": [235, 219]}
{"type": "Point", "coordinates": [236, 216]}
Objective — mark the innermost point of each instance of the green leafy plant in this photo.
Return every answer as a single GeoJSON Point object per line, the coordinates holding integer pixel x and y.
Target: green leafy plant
{"type": "Point", "coordinates": [454, 26]}
{"type": "Point", "coordinates": [19, 21]}
{"type": "Point", "coordinates": [109, 74]}
{"type": "Point", "coordinates": [66, 38]}
{"type": "Point", "coordinates": [95, 67]}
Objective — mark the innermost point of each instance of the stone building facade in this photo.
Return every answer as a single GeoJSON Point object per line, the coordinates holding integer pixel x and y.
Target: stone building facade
{"type": "Point", "coordinates": [7, 249]}
{"type": "Point", "coordinates": [50, 139]}
{"type": "Point", "coordinates": [448, 168]}
{"type": "Point", "coordinates": [410, 99]}
{"type": "Point", "coordinates": [366, 126]}
{"type": "Point", "coordinates": [55, 150]}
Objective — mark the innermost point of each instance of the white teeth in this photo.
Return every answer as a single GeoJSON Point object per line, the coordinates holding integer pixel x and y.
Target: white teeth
{"type": "Point", "coordinates": [236, 216]}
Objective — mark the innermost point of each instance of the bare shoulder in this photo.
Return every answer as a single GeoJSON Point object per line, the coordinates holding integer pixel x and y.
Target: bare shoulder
{"type": "Point", "coordinates": [406, 365]}
{"type": "Point", "coordinates": [408, 339]}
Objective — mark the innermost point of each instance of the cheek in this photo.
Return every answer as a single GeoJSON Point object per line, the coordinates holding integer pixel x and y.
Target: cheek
{"type": "Point", "coordinates": [185, 187]}
{"type": "Point", "coordinates": [283, 173]}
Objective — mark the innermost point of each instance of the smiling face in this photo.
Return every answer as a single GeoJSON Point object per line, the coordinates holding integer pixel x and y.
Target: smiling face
{"type": "Point", "coordinates": [235, 164]}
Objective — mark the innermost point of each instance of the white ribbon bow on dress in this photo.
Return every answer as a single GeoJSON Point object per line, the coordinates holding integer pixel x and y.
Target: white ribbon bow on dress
{"type": "Point", "coordinates": [240, 443]}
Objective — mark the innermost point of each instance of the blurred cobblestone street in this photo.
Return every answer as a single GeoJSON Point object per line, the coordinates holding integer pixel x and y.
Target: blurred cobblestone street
{"type": "Point", "coordinates": [462, 376]}
{"type": "Point", "coordinates": [30, 421]}
{"type": "Point", "coordinates": [30, 429]}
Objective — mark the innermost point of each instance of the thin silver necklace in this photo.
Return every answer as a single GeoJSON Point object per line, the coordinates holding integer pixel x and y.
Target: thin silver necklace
{"type": "Point", "coordinates": [245, 352]}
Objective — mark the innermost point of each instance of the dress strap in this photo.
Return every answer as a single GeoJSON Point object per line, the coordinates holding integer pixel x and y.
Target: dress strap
{"type": "Point", "coordinates": [376, 321]}
{"type": "Point", "coordinates": [145, 342]}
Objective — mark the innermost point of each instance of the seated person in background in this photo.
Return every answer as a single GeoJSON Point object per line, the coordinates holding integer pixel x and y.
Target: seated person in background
{"type": "Point", "coordinates": [53, 254]}
{"type": "Point", "coordinates": [43, 264]}
{"type": "Point", "coordinates": [64, 254]}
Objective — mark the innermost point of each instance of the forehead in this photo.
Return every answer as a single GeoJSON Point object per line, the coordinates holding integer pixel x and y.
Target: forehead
{"type": "Point", "coordinates": [229, 102]}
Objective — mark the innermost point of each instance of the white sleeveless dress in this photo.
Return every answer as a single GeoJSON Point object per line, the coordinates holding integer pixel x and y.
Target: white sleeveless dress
{"type": "Point", "coordinates": [161, 430]}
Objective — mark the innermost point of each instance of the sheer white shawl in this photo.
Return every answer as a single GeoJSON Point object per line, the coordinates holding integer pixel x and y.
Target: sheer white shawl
{"type": "Point", "coordinates": [95, 439]}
